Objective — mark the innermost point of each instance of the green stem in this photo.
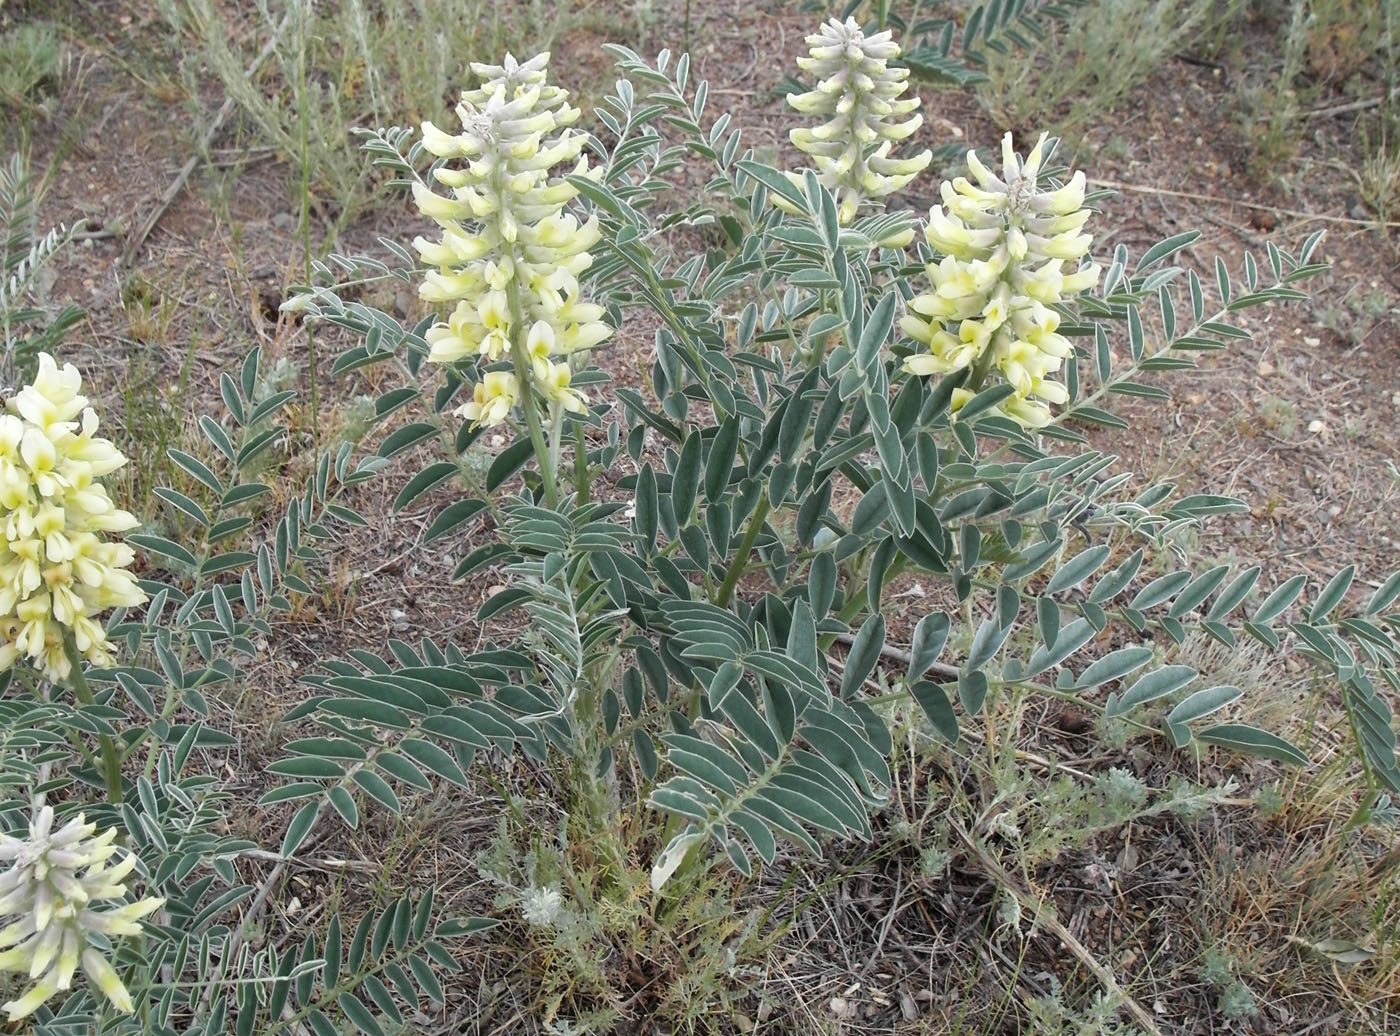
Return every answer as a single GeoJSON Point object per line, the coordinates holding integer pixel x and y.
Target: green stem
{"type": "Point", "coordinates": [741, 559]}
{"type": "Point", "coordinates": [581, 486]}
{"type": "Point", "coordinates": [77, 679]}
{"type": "Point", "coordinates": [528, 405]}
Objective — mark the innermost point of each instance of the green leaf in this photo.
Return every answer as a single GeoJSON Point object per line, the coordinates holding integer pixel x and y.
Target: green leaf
{"type": "Point", "coordinates": [405, 438]}
{"type": "Point", "coordinates": [985, 644]}
{"type": "Point", "coordinates": [1077, 569]}
{"type": "Point", "coordinates": [1113, 666]}
{"type": "Point", "coordinates": [196, 468]}
{"type": "Point", "coordinates": [685, 480]}
{"type": "Point", "coordinates": [1149, 687]}
{"type": "Point", "coordinates": [1332, 594]}
{"type": "Point", "coordinates": [775, 182]}
{"type": "Point", "coordinates": [378, 788]}
{"type": "Point", "coordinates": [435, 759]}
{"type": "Point", "coordinates": [720, 463]}
{"type": "Point", "coordinates": [376, 712]}
{"type": "Point", "coordinates": [508, 462]}
{"type": "Point", "coordinates": [299, 828]}
{"type": "Point", "coordinates": [864, 654]}
{"type": "Point", "coordinates": [1165, 249]}
{"type": "Point", "coordinates": [162, 546]}
{"type": "Point", "coordinates": [359, 1015]}
{"type": "Point", "coordinates": [1277, 602]}
{"type": "Point", "coordinates": [937, 708]}
{"type": "Point", "coordinates": [1250, 740]}
{"type": "Point", "coordinates": [930, 636]}
{"type": "Point", "coordinates": [422, 482]}
{"type": "Point", "coordinates": [452, 516]}
{"type": "Point", "coordinates": [307, 766]}
{"type": "Point", "coordinates": [1202, 703]}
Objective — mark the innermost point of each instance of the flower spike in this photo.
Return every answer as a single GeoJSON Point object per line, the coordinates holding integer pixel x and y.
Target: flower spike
{"type": "Point", "coordinates": [859, 96]}
{"type": "Point", "coordinates": [57, 892]}
{"type": "Point", "coordinates": [57, 573]}
{"type": "Point", "coordinates": [1004, 244]}
{"type": "Point", "coordinates": [509, 258]}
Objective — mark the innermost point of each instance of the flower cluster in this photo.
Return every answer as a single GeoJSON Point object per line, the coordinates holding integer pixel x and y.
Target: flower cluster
{"type": "Point", "coordinates": [858, 94]}
{"type": "Point", "coordinates": [55, 883]}
{"type": "Point", "coordinates": [56, 572]}
{"type": "Point", "coordinates": [509, 256]}
{"type": "Point", "coordinates": [1004, 244]}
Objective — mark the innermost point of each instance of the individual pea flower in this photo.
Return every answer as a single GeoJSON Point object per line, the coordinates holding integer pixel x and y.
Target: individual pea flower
{"type": "Point", "coordinates": [492, 399]}
{"type": "Point", "coordinates": [859, 96]}
{"type": "Point", "coordinates": [1004, 244]}
{"type": "Point", "coordinates": [510, 258]}
{"type": "Point", "coordinates": [57, 573]}
{"type": "Point", "coordinates": [59, 890]}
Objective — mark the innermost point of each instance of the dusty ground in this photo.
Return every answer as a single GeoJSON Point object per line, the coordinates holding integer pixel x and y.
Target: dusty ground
{"type": "Point", "coordinates": [887, 948]}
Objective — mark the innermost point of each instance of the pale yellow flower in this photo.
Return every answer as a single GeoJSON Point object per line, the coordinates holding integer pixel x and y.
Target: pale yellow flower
{"type": "Point", "coordinates": [56, 571]}
{"type": "Point", "coordinates": [1004, 244]}
{"type": "Point", "coordinates": [508, 250]}
{"type": "Point", "coordinates": [859, 96]}
{"type": "Point", "coordinates": [492, 399]}
{"type": "Point", "coordinates": [58, 891]}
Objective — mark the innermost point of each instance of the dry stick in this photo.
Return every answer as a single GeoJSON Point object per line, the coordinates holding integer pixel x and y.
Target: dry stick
{"type": "Point", "coordinates": [225, 110]}
{"type": "Point", "coordinates": [1106, 978]}
{"type": "Point", "coordinates": [1213, 199]}
{"type": "Point", "coordinates": [1354, 106]}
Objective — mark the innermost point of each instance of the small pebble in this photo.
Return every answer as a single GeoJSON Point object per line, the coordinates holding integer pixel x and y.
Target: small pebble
{"type": "Point", "coordinates": [1316, 427]}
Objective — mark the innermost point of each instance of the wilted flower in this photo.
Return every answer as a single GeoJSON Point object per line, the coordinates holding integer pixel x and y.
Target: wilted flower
{"type": "Point", "coordinates": [508, 252]}
{"type": "Point", "coordinates": [1004, 244]}
{"type": "Point", "coordinates": [55, 884]}
{"type": "Point", "coordinates": [859, 96]}
{"type": "Point", "coordinates": [56, 571]}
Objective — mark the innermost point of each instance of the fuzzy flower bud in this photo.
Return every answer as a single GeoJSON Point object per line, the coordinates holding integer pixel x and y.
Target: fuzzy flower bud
{"type": "Point", "coordinates": [1004, 244]}
{"type": "Point", "coordinates": [859, 96]}
{"type": "Point", "coordinates": [55, 895]}
{"type": "Point", "coordinates": [56, 570]}
{"type": "Point", "coordinates": [509, 258]}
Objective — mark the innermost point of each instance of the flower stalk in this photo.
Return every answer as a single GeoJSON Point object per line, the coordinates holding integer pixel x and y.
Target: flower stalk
{"type": "Point", "coordinates": [509, 257]}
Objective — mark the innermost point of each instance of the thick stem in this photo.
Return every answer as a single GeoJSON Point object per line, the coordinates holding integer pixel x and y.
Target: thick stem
{"type": "Point", "coordinates": [523, 374]}
{"type": "Point", "coordinates": [77, 680]}
{"type": "Point", "coordinates": [741, 559]}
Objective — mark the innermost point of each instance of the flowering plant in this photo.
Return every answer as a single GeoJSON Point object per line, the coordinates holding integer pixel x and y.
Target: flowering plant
{"type": "Point", "coordinates": [686, 645]}
{"type": "Point", "coordinates": [701, 632]}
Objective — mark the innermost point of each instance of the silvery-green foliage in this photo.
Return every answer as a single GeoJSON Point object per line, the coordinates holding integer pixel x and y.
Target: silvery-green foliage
{"type": "Point", "coordinates": [682, 628]}
{"type": "Point", "coordinates": [225, 565]}
{"type": "Point", "coordinates": [26, 328]}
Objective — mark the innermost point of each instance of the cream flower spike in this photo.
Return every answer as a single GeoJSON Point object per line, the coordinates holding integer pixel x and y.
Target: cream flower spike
{"type": "Point", "coordinates": [57, 891]}
{"type": "Point", "coordinates": [1004, 243]}
{"type": "Point", "coordinates": [509, 259]}
{"type": "Point", "coordinates": [57, 573]}
{"type": "Point", "coordinates": [859, 96]}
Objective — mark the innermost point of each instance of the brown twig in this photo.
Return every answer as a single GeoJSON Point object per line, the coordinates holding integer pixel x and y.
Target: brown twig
{"type": "Point", "coordinates": [225, 110]}
{"type": "Point", "coordinates": [1114, 185]}
{"type": "Point", "coordinates": [997, 873]}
